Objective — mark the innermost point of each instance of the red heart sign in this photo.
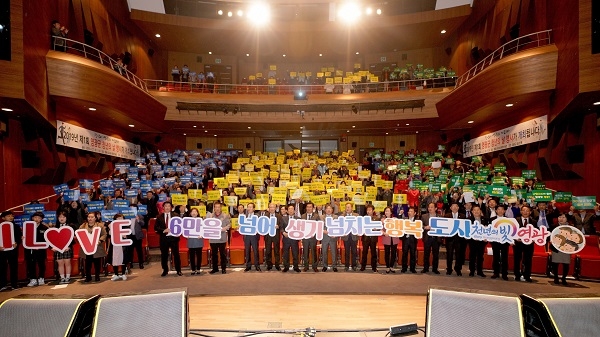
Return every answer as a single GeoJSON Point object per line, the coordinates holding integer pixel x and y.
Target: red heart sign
{"type": "Point", "coordinates": [59, 238]}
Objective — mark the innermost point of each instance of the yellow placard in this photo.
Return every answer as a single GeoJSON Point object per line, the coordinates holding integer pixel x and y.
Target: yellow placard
{"type": "Point", "coordinates": [348, 80]}
{"type": "Point", "coordinates": [272, 81]}
{"type": "Point", "coordinates": [359, 199]}
{"type": "Point", "coordinates": [356, 65]}
{"type": "Point", "coordinates": [331, 69]}
{"type": "Point", "coordinates": [263, 197]}
{"type": "Point", "coordinates": [233, 179]}
{"type": "Point", "coordinates": [308, 73]}
{"type": "Point", "coordinates": [320, 74]}
{"type": "Point", "coordinates": [329, 80]}
{"type": "Point", "coordinates": [261, 205]}
{"type": "Point", "coordinates": [213, 195]}
{"type": "Point", "coordinates": [297, 194]}
{"type": "Point", "coordinates": [251, 77]}
{"type": "Point", "coordinates": [296, 151]}
{"type": "Point", "coordinates": [179, 199]}
{"type": "Point", "coordinates": [358, 189]}
{"type": "Point", "coordinates": [274, 175]}
{"type": "Point", "coordinates": [387, 184]}
{"type": "Point", "coordinates": [370, 196]}
{"type": "Point", "coordinates": [356, 184]}
{"type": "Point", "coordinates": [356, 78]}
{"type": "Point", "coordinates": [380, 205]}
{"type": "Point", "coordinates": [345, 189]}
{"type": "Point", "coordinates": [240, 191]}
{"type": "Point", "coordinates": [400, 199]}
{"type": "Point", "coordinates": [318, 186]}
{"type": "Point", "coordinates": [364, 174]}
{"type": "Point", "coordinates": [376, 177]}
{"type": "Point", "coordinates": [279, 198]}
{"type": "Point", "coordinates": [352, 173]}
{"type": "Point", "coordinates": [272, 67]}
{"type": "Point", "coordinates": [374, 79]}
{"type": "Point", "coordinates": [282, 189]}
{"type": "Point", "coordinates": [231, 200]}
{"type": "Point", "coordinates": [284, 176]}
{"type": "Point", "coordinates": [245, 160]}
{"type": "Point", "coordinates": [249, 168]}
{"type": "Point", "coordinates": [236, 166]}
{"type": "Point", "coordinates": [363, 73]}
{"type": "Point", "coordinates": [195, 194]}
{"type": "Point", "coordinates": [221, 183]}
{"type": "Point", "coordinates": [320, 199]}
{"type": "Point", "coordinates": [283, 183]}
{"type": "Point", "coordinates": [338, 80]}
{"type": "Point", "coordinates": [235, 223]}
{"type": "Point", "coordinates": [293, 74]}
{"type": "Point", "coordinates": [245, 202]}
{"type": "Point", "coordinates": [338, 194]}
{"type": "Point", "coordinates": [257, 180]}
{"type": "Point", "coordinates": [371, 190]}
{"type": "Point", "coordinates": [258, 75]}
{"type": "Point", "coordinates": [246, 180]}
{"type": "Point", "coordinates": [201, 210]}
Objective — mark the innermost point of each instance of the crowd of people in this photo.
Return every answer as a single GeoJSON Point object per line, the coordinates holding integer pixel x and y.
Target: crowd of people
{"type": "Point", "coordinates": [281, 185]}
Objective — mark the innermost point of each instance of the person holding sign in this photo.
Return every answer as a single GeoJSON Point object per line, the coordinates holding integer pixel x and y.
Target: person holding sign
{"type": "Point", "coordinates": [37, 256]}
{"type": "Point", "coordinates": [431, 243]}
{"type": "Point", "coordinates": [95, 259]}
{"type": "Point", "coordinates": [63, 260]}
{"type": "Point", "coordinates": [390, 244]}
{"type": "Point", "coordinates": [161, 226]}
{"type": "Point", "coordinates": [455, 245]}
{"type": "Point", "coordinates": [289, 244]}
{"type": "Point", "coordinates": [370, 242]}
{"type": "Point", "coordinates": [250, 241]}
{"type": "Point", "coordinates": [217, 246]}
{"type": "Point", "coordinates": [195, 246]}
{"type": "Point", "coordinates": [117, 254]}
{"type": "Point", "coordinates": [477, 247]}
{"type": "Point", "coordinates": [500, 250]}
{"type": "Point", "coordinates": [350, 242]}
{"type": "Point", "coordinates": [523, 252]}
{"type": "Point", "coordinates": [584, 221]}
{"type": "Point", "coordinates": [328, 241]}
{"type": "Point", "coordinates": [409, 245]}
{"type": "Point", "coordinates": [272, 243]}
{"type": "Point", "coordinates": [310, 244]}
{"type": "Point", "coordinates": [9, 256]}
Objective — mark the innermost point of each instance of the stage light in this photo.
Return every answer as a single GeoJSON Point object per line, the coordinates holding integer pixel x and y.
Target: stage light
{"type": "Point", "coordinates": [259, 14]}
{"type": "Point", "coordinates": [157, 35]}
{"type": "Point", "coordinates": [210, 53]}
{"type": "Point", "coordinates": [220, 12]}
{"type": "Point", "coordinates": [509, 105]}
{"type": "Point", "coordinates": [229, 14]}
{"type": "Point", "coordinates": [357, 53]}
{"type": "Point", "coordinates": [471, 122]}
{"type": "Point", "coordinates": [7, 109]}
{"type": "Point", "coordinates": [369, 11]}
{"type": "Point", "coordinates": [92, 109]}
{"type": "Point", "coordinates": [355, 109]}
{"type": "Point", "coordinates": [131, 125]}
{"type": "Point", "coordinates": [320, 54]}
{"type": "Point", "coordinates": [240, 12]}
{"type": "Point", "coordinates": [597, 103]}
{"type": "Point", "coordinates": [300, 95]}
{"type": "Point", "coordinates": [378, 11]}
{"type": "Point", "coordinates": [443, 31]}
{"type": "Point", "coordinates": [349, 12]}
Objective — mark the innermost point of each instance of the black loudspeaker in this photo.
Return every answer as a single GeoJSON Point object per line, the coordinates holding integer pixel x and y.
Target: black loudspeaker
{"type": "Point", "coordinates": [157, 139]}
{"type": "Point", "coordinates": [248, 146]}
{"type": "Point", "coordinates": [567, 315]}
{"type": "Point", "coordinates": [29, 159]}
{"type": "Point", "coordinates": [150, 314]}
{"type": "Point", "coordinates": [475, 53]}
{"type": "Point", "coordinates": [444, 137]}
{"type": "Point", "coordinates": [451, 313]}
{"type": "Point", "coordinates": [467, 137]}
{"type": "Point", "coordinates": [575, 154]}
{"type": "Point", "coordinates": [88, 37]}
{"type": "Point", "coordinates": [354, 144]}
{"type": "Point", "coordinates": [514, 31]}
{"type": "Point", "coordinates": [136, 140]}
{"type": "Point", "coordinates": [127, 58]}
{"type": "Point", "coordinates": [595, 27]}
{"type": "Point", "coordinates": [150, 52]}
{"type": "Point", "coordinates": [448, 51]}
{"type": "Point", "coordinates": [57, 316]}
{"type": "Point", "coordinates": [199, 145]}
{"type": "Point", "coordinates": [402, 143]}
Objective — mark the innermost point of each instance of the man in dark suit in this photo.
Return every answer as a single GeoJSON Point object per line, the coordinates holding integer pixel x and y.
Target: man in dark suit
{"type": "Point", "coordinates": [350, 242]}
{"type": "Point", "coordinates": [10, 258]}
{"type": "Point", "coordinates": [500, 250]}
{"type": "Point", "coordinates": [477, 247]}
{"type": "Point", "coordinates": [584, 220]}
{"type": "Point", "coordinates": [523, 252]}
{"type": "Point", "coordinates": [431, 243]}
{"type": "Point", "coordinates": [251, 243]}
{"type": "Point", "coordinates": [310, 245]}
{"type": "Point", "coordinates": [137, 238]}
{"type": "Point", "coordinates": [455, 245]}
{"type": "Point", "coordinates": [288, 243]}
{"type": "Point", "coordinates": [369, 242]}
{"type": "Point", "coordinates": [409, 245]}
{"type": "Point", "coordinates": [273, 243]}
{"type": "Point", "coordinates": [167, 242]}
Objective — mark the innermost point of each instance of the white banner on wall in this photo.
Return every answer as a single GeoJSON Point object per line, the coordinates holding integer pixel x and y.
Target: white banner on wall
{"type": "Point", "coordinates": [531, 131]}
{"type": "Point", "coordinates": [77, 137]}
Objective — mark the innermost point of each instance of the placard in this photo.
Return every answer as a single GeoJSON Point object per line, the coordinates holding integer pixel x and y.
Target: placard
{"type": "Point", "coordinates": [400, 199]}
{"type": "Point", "coordinates": [528, 174]}
{"type": "Point", "coordinates": [563, 196]}
{"type": "Point", "coordinates": [542, 195]}
{"type": "Point", "coordinates": [179, 199]}
{"type": "Point", "coordinates": [587, 202]}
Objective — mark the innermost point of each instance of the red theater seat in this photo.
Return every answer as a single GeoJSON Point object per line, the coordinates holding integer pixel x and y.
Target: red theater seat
{"type": "Point", "coordinates": [540, 264]}
{"type": "Point", "coordinates": [587, 261]}
{"type": "Point", "coordinates": [236, 249]}
{"type": "Point", "coordinates": [152, 237]}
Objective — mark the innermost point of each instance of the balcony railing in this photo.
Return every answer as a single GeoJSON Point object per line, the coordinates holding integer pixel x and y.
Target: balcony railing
{"type": "Point", "coordinates": [284, 89]}
{"type": "Point", "coordinates": [538, 39]}
{"type": "Point", "coordinates": [91, 53]}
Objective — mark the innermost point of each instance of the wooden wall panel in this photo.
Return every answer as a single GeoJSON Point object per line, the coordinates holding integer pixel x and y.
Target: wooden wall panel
{"type": "Point", "coordinates": [392, 143]}
{"type": "Point", "coordinates": [589, 64]}
{"type": "Point", "coordinates": [11, 72]}
{"type": "Point", "coordinates": [207, 143]}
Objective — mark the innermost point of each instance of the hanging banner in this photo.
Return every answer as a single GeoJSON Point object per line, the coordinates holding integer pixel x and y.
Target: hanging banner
{"type": "Point", "coordinates": [534, 130]}
{"type": "Point", "coordinates": [77, 137]}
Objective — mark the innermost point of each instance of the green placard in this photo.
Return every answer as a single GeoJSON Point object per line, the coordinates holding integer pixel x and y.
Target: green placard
{"type": "Point", "coordinates": [427, 163]}
{"type": "Point", "coordinates": [449, 161]}
{"type": "Point", "coordinates": [517, 180]}
{"type": "Point", "coordinates": [528, 174]}
{"type": "Point", "coordinates": [401, 176]}
{"type": "Point", "coordinates": [468, 188]}
{"type": "Point", "coordinates": [456, 181]}
{"type": "Point", "coordinates": [476, 159]}
{"type": "Point", "coordinates": [470, 176]}
{"type": "Point", "coordinates": [403, 167]}
{"type": "Point", "coordinates": [435, 188]}
{"type": "Point", "coordinates": [480, 178]}
{"type": "Point", "coordinates": [482, 189]}
{"type": "Point", "coordinates": [441, 147]}
{"type": "Point", "coordinates": [539, 186]}
{"type": "Point", "coordinates": [415, 170]}
{"type": "Point", "coordinates": [437, 154]}
{"type": "Point", "coordinates": [563, 196]}
{"type": "Point", "coordinates": [498, 181]}
{"type": "Point", "coordinates": [497, 191]}
{"type": "Point", "coordinates": [500, 168]}
{"type": "Point", "coordinates": [520, 194]}
{"type": "Point", "coordinates": [542, 195]}
{"type": "Point", "coordinates": [587, 202]}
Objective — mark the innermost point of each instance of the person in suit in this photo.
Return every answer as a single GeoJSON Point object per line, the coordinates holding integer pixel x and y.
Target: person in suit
{"type": "Point", "coordinates": [137, 238]}
{"type": "Point", "coordinates": [500, 250]}
{"type": "Point", "coordinates": [523, 252]}
{"type": "Point", "coordinates": [584, 221]}
{"type": "Point", "coordinates": [37, 257]}
{"type": "Point", "coordinates": [455, 245]}
{"type": "Point", "coordinates": [543, 215]}
{"type": "Point", "coordinates": [409, 245]}
{"type": "Point", "coordinates": [299, 207]}
{"type": "Point", "coordinates": [350, 242]}
{"type": "Point", "coordinates": [390, 244]}
{"type": "Point", "coordinates": [431, 243]}
{"type": "Point", "coordinates": [288, 243]}
{"type": "Point", "coordinates": [273, 243]}
{"type": "Point", "coordinates": [310, 245]}
{"type": "Point", "coordinates": [161, 226]}
{"type": "Point", "coordinates": [328, 242]}
{"type": "Point", "coordinates": [10, 258]}
{"type": "Point", "coordinates": [251, 243]}
{"type": "Point", "coordinates": [559, 257]}
{"type": "Point", "coordinates": [217, 246]}
{"type": "Point", "coordinates": [195, 246]}
{"type": "Point", "coordinates": [370, 242]}
{"type": "Point", "coordinates": [477, 247]}
{"type": "Point", "coordinates": [94, 259]}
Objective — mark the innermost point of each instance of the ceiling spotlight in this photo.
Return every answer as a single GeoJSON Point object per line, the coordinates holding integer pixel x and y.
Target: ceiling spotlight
{"type": "Point", "coordinates": [357, 53]}
{"type": "Point", "coordinates": [378, 11]}
{"type": "Point", "coordinates": [283, 55]}
{"type": "Point", "coordinates": [7, 109]}
{"type": "Point", "coordinates": [185, 134]}
{"type": "Point", "coordinates": [471, 122]}
{"type": "Point", "coordinates": [205, 131]}
{"type": "Point", "coordinates": [247, 54]}
{"type": "Point", "coordinates": [596, 103]}
{"type": "Point", "coordinates": [215, 135]}
{"type": "Point", "coordinates": [131, 125]}
{"type": "Point", "coordinates": [353, 126]}
{"type": "Point", "coordinates": [236, 110]}
{"type": "Point", "coordinates": [347, 130]}
{"type": "Point", "coordinates": [509, 105]}
{"type": "Point", "coordinates": [157, 35]}
{"type": "Point", "coordinates": [259, 14]}
{"type": "Point", "coordinates": [220, 12]}
{"type": "Point", "coordinates": [229, 14]}
{"type": "Point", "coordinates": [320, 54]}
{"type": "Point", "coordinates": [354, 109]}
{"type": "Point", "coordinates": [417, 132]}
{"type": "Point", "coordinates": [407, 124]}
{"type": "Point", "coordinates": [225, 110]}
{"type": "Point", "coordinates": [443, 31]}
{"type": "Point", "coordinates": [386, 133]}
{"type": "Point", "coordinates": [210, 53]}
{"type": "Point", "coordinates": [240, 12]}
{"type": "Point", "coordinates": [249, 127]}
{"type": "Point", "coordinates": [195, 126]}
{"type": "Point", "coordinates": [369, 11]}
{"type": "Point", "coordinates": [349, 12]}
{"type": "Point", "coordinates": [92, 109]}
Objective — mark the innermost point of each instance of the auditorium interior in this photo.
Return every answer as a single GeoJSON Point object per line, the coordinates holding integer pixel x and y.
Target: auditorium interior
{"type": "Point", "coordinates": [402, 75]}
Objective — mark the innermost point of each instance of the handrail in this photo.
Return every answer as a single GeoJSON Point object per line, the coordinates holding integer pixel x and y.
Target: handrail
{"type": "Point", "coordinates": [94, 54]}
{"type": "Point", "coordinates": [542, 38]}
{"type": "Point", "coordinates": [290, 89]}
{"type": "Point", "coordinates": [44, 198]}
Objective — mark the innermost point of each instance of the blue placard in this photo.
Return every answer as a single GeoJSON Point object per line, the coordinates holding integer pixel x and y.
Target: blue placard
{"type": "Point", "coordinates": [132, 176]}
{"type": "Point", "coordinates": [71, 195]}
{"type": "Point", "coordinates": [162, 197]}
{"type": "Point", "coordinates": [162, 154]}
{"type": "Point", "coordinates": [86, 183]}
{"type": "Point", "coordinates": [49, 217]}
{"type": "Point", "coordinates": [159, 174]}
{"type": "Point", "coordinates": [140, 160]}
{"type": "Point", "coordinates": [29, 209]}
{"type": "Point", "coordinates": [156, 184]}
{"type": "Point", "coordinates": [142, 210]}
{"type": "Point", "coordinates": [108, 215]}
{"type": "Point", "coordinates": [131, 193]}
{"type": "Point", "coordinates": [184, 180]}
{"type": "Point", "coordinates": [108, 191]}
{"type": "Point", "coordinates": [94, 206]}
{"type": "Point", "coordinates": [146, 186]}
{"type": "Point", "coordinates": [19, 219]}
{"type": "Point", "coordinates": [156, 168]}
{"type": "Point", "coordinates": [122, 167]}
{"type": "Point", "coordinates": [135, 184]}
{"type": "Point", "coordinates": [118, 183]}
{"type": "Point", "coordinates": [197, 180]}
{"type": "Point", "coordinates": [170, 181]}
{"type": "Point", "coordinates": [169, 168]}
{"type": "Point", "coordinates": [120, 203]}
{"type": "Point", "coordinates": [151, 156]}
{"type": "Point", "coordinates": [84, 197]}
{"type": "Point", "coordinates": [106, 183]}
{"type": "Point", "coordinates": [129, 213]}
{"type": "Point", "coordinates": [175, 192]}
{"type": "Point", "coordinates": [58, 189]}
